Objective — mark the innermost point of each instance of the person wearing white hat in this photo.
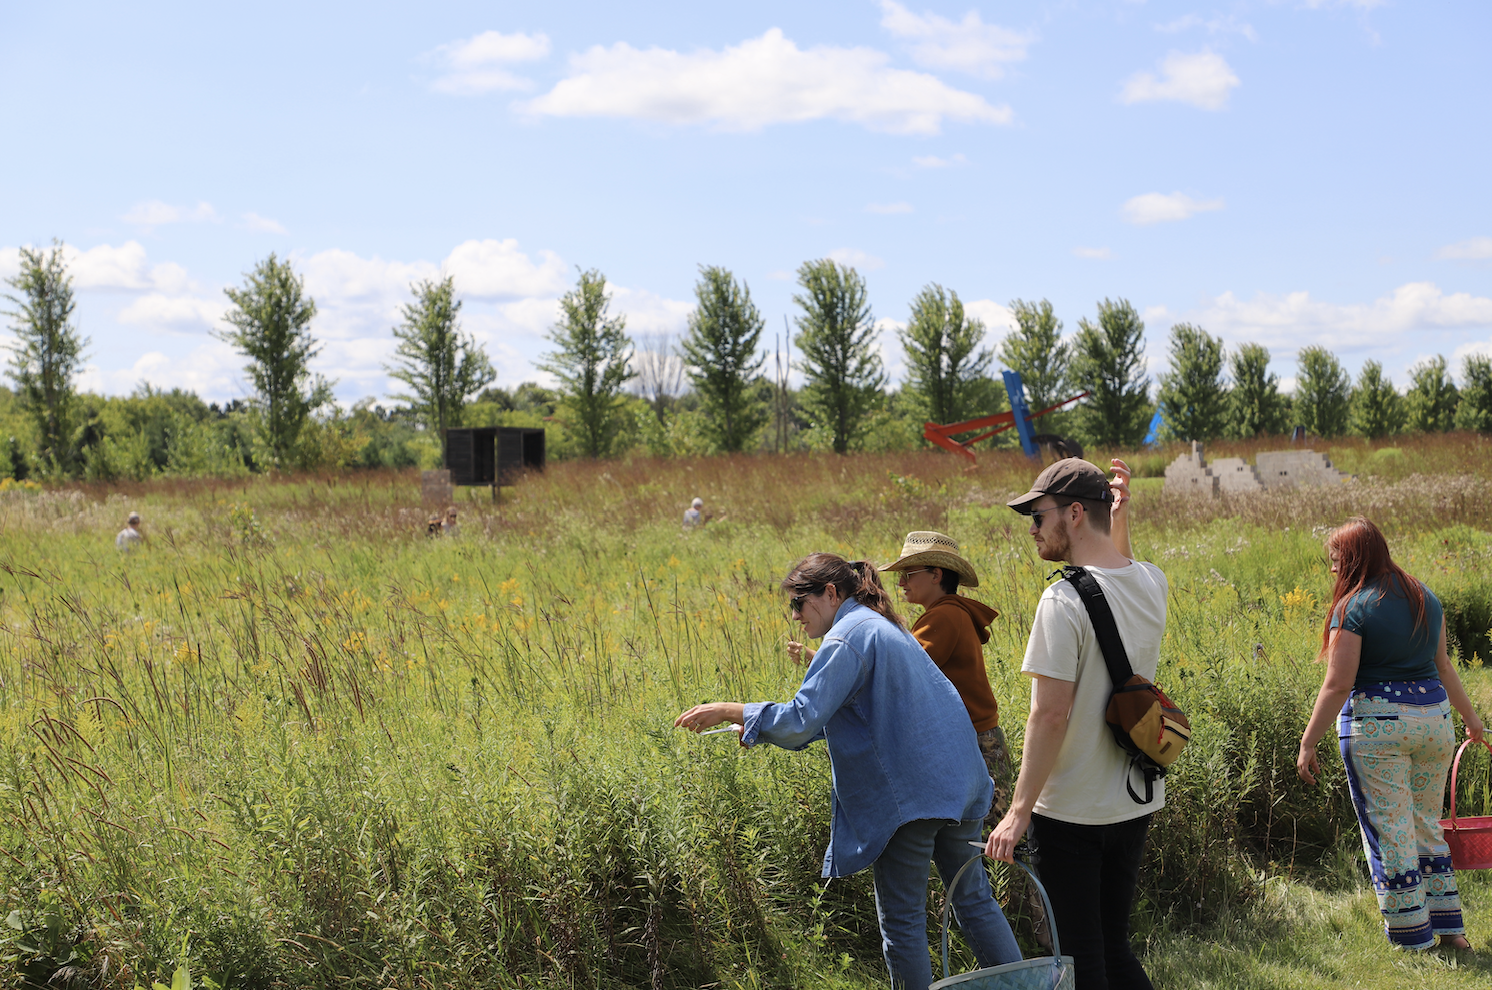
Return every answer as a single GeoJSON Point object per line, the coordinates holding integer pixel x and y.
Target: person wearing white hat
{"type": "Point", "coordinates": [694, 515]}
{"type": "Point", "coordinates": [130, 536]}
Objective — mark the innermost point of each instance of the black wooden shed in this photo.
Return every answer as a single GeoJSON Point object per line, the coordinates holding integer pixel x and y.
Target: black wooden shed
{"type": "Point", "coordinates": [493, 454]}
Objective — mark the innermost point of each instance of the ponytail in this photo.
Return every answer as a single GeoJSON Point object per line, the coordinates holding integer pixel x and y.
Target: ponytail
{"type": "Point", "coordinates": [860, 580]}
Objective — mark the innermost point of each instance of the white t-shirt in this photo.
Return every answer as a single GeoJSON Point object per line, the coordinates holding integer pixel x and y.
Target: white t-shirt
{"type": "Point", "coordinates": [129, 537]}
{"type": "Point", "coordinates": [1087, 784]}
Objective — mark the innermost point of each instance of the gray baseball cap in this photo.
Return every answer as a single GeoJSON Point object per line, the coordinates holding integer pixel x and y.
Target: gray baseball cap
{"type": "Point", "coordinates": [1071, 476]}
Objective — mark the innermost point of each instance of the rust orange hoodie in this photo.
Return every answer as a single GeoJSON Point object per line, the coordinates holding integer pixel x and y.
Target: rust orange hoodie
{"type": "Point", "coordinates": [953, 631]}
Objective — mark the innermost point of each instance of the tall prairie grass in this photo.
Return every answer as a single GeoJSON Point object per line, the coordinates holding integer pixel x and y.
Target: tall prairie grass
{"type": "Point", "coordinates": [298, 744]}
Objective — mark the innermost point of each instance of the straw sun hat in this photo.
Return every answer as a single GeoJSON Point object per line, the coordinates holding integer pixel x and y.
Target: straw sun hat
{"type": "Point", "coordinates": [929, 549]}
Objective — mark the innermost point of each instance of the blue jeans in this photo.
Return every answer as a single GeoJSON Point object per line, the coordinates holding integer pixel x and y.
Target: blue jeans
{"type": "Point", "coordinates": [901, 874]}
{"type": "Point", "coordinates": [1090, 872]}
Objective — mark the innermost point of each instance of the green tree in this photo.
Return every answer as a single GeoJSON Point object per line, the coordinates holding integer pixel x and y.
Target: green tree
{"type": "Point", "coordinates": [1036, 350]}
{"type": "Point", "coordinates": [1474, 411]}
{"type": "Point", "coordinates": [720, 352]}
{"type": "Point", "coordinates": [1255, 405]}
{"type": "Point", "coordinates": [591, 363]}
{"type": "Point", "coordinates": [271, 320]}
{"type": "Point", "coordinates": [1377, 407]}
{"type": "Point", "coordinates": [1322, 392]}
{"type": "Point", "coordinates": [1109, 362]}
{"type": "Point", "coordinates": [48, 351]}
{"type": "Point", "coordinates": [442, 366]}
{"type": "Point", "coordinates": [1431, 402]}
{"type": "Point", "coordinates": [946, 369]}
{"type": "Point", "coordinates": [836, 337]}
{"type": "Point", "coordinates": [1193, 399]}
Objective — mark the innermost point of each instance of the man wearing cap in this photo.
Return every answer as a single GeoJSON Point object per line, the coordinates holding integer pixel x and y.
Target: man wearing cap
{"type": "Point", "coordinates": [694, 515]}
{"type": "Point", "coordinates": [1086, 830]}
{"type": "Point", "coordinates": [130, 536]}
{"type": "Point", "coordinates": [953, 630]}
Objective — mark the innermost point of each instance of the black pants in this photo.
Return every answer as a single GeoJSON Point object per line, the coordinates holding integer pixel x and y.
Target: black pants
{"type": "Point", "coordinates": [1090, 872]}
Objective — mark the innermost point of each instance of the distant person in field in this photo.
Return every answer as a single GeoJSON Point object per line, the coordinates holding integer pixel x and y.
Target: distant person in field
{"type": "Point", "coordinates": [130, 536]}
{"type": "Point", "coordinates": [694, 515]}
{"type": "Point", "coordinates": [1073, 796]}
{"type": "Point", "coordinates": [1389, 689]}
{"type": "Point", "coordinates": [910, 788]}
{"type": "Point", "coordinates": [450, 527]}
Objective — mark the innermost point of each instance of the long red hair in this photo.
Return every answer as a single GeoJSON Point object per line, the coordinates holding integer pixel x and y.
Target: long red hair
{"type": "Point", "coordinates": [1362, 557]}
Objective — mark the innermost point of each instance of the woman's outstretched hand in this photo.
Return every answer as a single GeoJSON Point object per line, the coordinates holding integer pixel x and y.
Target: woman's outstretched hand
{"type": "Point", "coordinates": [702, 717]}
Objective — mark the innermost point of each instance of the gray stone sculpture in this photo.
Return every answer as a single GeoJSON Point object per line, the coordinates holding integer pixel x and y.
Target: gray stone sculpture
{"type": "Point", "coordinates": [1190, 473]}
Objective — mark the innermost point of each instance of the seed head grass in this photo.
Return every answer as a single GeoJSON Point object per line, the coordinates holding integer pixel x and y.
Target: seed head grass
{"type": "Point", "coordinates": [296, 742]}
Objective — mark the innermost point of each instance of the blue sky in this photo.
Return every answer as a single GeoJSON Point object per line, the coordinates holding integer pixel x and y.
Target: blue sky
{"type": "Point", "coordinates": [1289, 173]}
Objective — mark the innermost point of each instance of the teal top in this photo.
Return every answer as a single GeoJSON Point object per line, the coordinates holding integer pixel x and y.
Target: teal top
{"type": "Point", "coordinates": [1392, 648]}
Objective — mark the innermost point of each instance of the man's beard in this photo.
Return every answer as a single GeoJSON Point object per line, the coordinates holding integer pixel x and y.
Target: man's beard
{"type": "Point", "coordinates": [1056, 544]}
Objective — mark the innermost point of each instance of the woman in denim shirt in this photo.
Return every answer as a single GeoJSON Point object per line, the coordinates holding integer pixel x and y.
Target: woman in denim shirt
{"type": "Point", "coordinates": [910, 787]}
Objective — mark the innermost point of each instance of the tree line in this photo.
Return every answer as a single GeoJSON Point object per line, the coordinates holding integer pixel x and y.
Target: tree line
{"type": "Point", "coordinates": [709, 391]}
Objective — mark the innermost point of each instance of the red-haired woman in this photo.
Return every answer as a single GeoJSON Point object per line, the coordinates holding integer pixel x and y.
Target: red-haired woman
{"type": "Point", "coordinates": [1392, 685]}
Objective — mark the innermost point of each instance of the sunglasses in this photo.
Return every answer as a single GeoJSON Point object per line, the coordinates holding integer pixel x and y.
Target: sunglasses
{"type": "Point", "coordinates": [795, 604]}
{"type": "Point", "coordinates": [1037, 514]}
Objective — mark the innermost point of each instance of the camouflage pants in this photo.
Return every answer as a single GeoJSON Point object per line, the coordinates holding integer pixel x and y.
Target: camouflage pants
{"type": "Point", "coordinates": [997, 759]}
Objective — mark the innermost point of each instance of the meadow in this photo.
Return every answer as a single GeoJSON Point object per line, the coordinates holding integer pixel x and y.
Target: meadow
{"type": "Point", "coordinates": [291, 742]}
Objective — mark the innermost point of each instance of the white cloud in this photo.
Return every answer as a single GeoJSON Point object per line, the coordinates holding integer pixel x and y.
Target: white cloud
{"type": "Point", "coordinates": [1216, 25]}
{"type": "Point", "coordinates": [1204, 80]}
{"type": "Point", "coordinates": [969, 45]}
{"type": "Point", "coordinates": [264, 225]}
{"type": "Point", "coordinates": [1474, 249]}
{"type": "Point", "coordinates": [1160, 207]}
{"type": "Point", "coordinates": [762, 81]}
{"type": "Point", "coordinates": [933, 161]}
{"type": "Point", "coordinates": [855, 258]}
{"type": "Point", "coordinates": [1096, 254]}
{"type": "Point", "coordinates": [889, 347]}
{"type": "Point", "coordinates": [998, 319]}
{"type": "Point", "coordinates": [496, 269]}
{"type": "Point", "coordinates": [212, 370]}
{"type": "Point", "coordinates": [1460, 354]}
{"type": "Point", "coordinates": [160, 312]}
{"type": "Point", "coordinates": [476, 65]}
{"type": "Point", "coordinates": [1292, 320]}
{"type": "Point", "coordinates": [154, 213]}
{"type": "Point", "coordinates": [648, 312]}
{"type": "Point", "coordinates": [107, 267]}
{"type": "Point", "coordinates": [1359, 4]}
{"type": "Point", "coordinates": [888, 208]}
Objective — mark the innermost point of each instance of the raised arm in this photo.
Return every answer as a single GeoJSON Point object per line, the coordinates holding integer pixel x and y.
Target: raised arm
{"type": "Point", "coordinates": [1119, 514]}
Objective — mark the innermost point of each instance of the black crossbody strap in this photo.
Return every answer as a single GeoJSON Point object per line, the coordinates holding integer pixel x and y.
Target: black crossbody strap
{"type": "Point", "coordinates": [1104, 626]}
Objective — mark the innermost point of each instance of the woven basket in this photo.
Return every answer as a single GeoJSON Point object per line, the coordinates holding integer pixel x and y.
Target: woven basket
{"type": "Point", "coordinates": [1470, 839]}
{"type": "Point", "coordinates": [1053, 972]}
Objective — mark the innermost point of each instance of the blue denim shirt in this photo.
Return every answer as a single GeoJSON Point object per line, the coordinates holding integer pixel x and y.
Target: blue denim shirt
{"type": "Point", "coordinates": [900, 741]}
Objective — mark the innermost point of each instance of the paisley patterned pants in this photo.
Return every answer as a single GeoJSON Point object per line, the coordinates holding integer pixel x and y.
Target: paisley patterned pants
{"type": "Point", "coordinates": [1397, 739]}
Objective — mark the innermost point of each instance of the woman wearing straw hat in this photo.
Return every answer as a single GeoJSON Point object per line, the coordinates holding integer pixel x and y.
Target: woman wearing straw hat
{"type": "Point", "coordinates": [953, 630]}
